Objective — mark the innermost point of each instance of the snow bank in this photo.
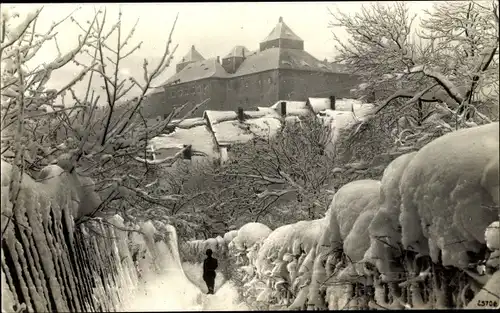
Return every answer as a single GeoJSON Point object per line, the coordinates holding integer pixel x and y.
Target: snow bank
{"type": "Point", "coordinates": [449, 194]}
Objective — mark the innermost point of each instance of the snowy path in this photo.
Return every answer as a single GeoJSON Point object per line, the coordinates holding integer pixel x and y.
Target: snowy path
{"type": "Point", "coordinates": [172, 290]}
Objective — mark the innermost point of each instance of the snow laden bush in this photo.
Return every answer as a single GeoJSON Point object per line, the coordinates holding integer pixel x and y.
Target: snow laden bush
{"type": "Point", "coordinates": [338, 264]}
{"type": "Point", "coordinates": [428, 233]}
{"type": "Point", "coordinates": [451, 187]}
{"type": "Point", "coordinates": [276, 267]}
{"type": "Point", "coordinates": [385, 244]}
{"type": "Point", "coordinates": [385, 230]}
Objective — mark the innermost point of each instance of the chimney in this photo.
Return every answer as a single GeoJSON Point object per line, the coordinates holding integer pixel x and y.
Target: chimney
{"type": "Point", "coordinates": [241, 116]}
{"type": "Point", "coordinates": [280, 20]}
{"type": "Point", "coordinates": [332, 102]}
{"type": "Point", "coordinates": [243, 51]}
{"type": "Point", "coordinates": [283, 108]}
{"type": "Point", "coordinates": [187, 153]}
{"type": "Point", "coordinates": [218, 59]}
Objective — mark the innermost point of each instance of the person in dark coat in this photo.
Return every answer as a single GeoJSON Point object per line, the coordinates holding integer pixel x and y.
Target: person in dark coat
{"type": "Point", "coordinates": [209, 267]}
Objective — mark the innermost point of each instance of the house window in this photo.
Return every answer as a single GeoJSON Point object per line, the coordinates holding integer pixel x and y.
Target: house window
{"type": "Point", "coordinates": [259, 82]}
{"type": "Point", "coordinates": [206, 88]}
{"type": "Point", "coordinates": [269, 80]}
{"type": "Point", "coordinates": [181, 93]}
{"type": "Point", "coordinates": [246, 84]}
{"type": "Point", "coordinates": [199, 88]}
{"type": "Point", "coordinates": [230, 85]}
{"type": "Point", "coordinates": [193, 91]}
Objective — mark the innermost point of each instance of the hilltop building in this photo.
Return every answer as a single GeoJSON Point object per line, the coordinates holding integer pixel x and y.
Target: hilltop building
{"type": "Point", "coordinates": [279, 70]}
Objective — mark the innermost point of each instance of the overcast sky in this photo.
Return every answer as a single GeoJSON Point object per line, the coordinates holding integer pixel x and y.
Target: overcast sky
{"type": "Point", "coordinates": [214, 28]}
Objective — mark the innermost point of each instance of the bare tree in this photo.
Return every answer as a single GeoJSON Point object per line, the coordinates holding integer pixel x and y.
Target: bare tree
{"type": "Point", "coordinates": [104, 139]}
{"type": "Point", "coordinates": [441, 78]}
{"type": "Point", "coordinates": [451, 60]}
{"type": "Point", "coordinates": [295, 165]}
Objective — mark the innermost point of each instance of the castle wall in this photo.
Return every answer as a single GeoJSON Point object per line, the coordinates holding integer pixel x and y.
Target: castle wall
{"type": "Point", "coordinates": [250, 91]}
{"type": "Point", "coordinates": [298, 85]}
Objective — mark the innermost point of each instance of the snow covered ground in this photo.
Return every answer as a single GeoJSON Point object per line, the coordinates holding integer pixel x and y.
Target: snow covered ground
{"type": "Point", "coordinates": [181, 289]}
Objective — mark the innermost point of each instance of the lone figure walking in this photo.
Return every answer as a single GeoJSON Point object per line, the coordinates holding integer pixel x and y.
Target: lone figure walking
{"type": "Point", "coordinates": [209, 267]}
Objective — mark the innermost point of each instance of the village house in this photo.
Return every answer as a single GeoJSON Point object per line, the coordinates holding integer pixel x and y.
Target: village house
{"type": "Point", "coordinates": [279, 70]}
{"type": "Point", "coordinates": [212, 135]}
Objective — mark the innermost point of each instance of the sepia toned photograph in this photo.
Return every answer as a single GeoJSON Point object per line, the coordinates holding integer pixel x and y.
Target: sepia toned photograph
{"type": "Point", "coordinates": [250, 156]}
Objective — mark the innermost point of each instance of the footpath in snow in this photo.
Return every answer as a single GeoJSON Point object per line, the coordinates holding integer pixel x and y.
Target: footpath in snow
{"type": "Point", "coordinates": [172, 290]}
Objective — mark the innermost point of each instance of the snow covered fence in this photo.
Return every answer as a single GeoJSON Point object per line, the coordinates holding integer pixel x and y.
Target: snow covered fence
{"type": "Point", "coordinates": [50, 264]}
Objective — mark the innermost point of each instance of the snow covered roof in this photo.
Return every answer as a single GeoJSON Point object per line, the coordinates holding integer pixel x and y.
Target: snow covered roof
{"type": "Point", "coordinates": [189, 122]}
{"type": "Point", "coordinates": [282, 58]}
{"type": "Point", "coordinates": [219, 116]}
{"type": "Point", "coordinates": [192, 56]}
{"type": "Point", "coordinates": [222, 128]}
{"type": "Point", "coordinates": [238, 51]}
{"type": "Point", "coordinates": [281, 31]}
{"type": "Point", "coordinates": [227, 129]}
{"type": "Point", "coordinates": [319, 104]}
{"type": "Point", "coordinates": [198, 70]}
{"type": "Point", "coordinates": [198, 137]}
{"type": "Point", "coordinates": [293, 108]}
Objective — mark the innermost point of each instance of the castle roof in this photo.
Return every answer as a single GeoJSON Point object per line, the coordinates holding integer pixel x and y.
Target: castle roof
{"type": "Point", "coordinates": [282, 31]}
{"type": "Point", "coordinates": [238, 51]}
{"type": "Point", "coordinates": [255, 61]}
{"type": "Point", "coordinates": [281, 58]}
{"type": "Point", "coordinates": [199, 70]}
{"type": "Point", "coordinates": [192, 56]}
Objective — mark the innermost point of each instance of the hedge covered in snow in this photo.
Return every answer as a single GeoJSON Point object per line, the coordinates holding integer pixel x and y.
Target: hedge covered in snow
{"type": "Point", "coordinates": [425, 236]}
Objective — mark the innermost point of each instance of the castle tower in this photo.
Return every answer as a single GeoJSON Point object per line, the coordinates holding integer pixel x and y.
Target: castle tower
{"type": "Point", "coordinates": [282, 37]}
{"type": "Point", "coordinates": [234, 58]}
{"type": "Point", "coordinates": [190, 57]}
